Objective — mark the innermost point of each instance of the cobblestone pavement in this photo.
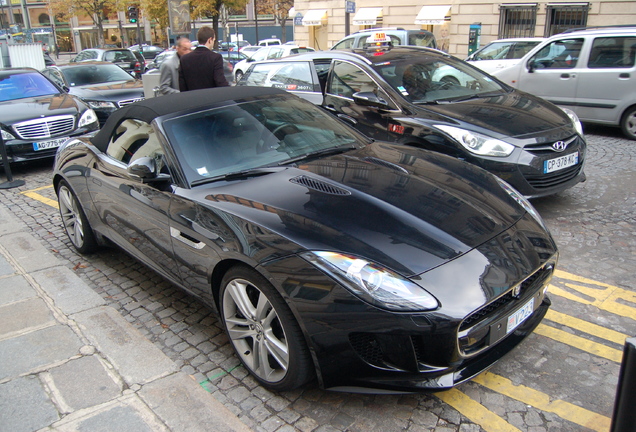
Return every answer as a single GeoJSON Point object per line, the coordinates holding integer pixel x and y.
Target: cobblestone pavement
{"type": "Point", "coordinates": [563, 378]}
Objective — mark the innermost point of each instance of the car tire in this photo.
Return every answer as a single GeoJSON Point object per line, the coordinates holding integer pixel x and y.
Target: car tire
{"type": "Point", "coordinates": [238, 76]}
{"type": "Point", "coordinates": [628, 123]}
{"type": "Point", "coordinates": [263, 331]}
{"type": "Point", "coordinates": [76, 224]}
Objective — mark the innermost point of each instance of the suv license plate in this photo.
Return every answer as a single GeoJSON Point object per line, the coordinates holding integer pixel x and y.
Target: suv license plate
{"type": "Point", "coordinates": [560, 163]}
{"type": "Point", "coordinates": [520, 316]}
{"type": "Point", "coordinates": [49, 144]}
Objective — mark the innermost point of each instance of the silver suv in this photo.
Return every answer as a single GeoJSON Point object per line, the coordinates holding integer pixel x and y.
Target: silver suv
{"type": "Point", "coordinates": [591, 71]}
{"type": "Point", "coordinates": [399, 36]}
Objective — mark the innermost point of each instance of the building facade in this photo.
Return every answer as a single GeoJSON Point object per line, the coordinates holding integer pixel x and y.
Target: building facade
{"type": "Point", "coordinates": [460, 26]}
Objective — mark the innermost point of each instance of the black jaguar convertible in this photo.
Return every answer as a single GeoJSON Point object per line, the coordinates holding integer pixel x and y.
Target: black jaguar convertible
{"type": "Point", "coordinates": [366, 265]}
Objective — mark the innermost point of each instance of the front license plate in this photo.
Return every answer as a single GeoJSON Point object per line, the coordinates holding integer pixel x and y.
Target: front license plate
{"type": "Point", "coordinates": [520, 316]}
{"type": "Point", "coordinates": [560, 163]}
{"type": "Point", "coordinates": [49, 144]}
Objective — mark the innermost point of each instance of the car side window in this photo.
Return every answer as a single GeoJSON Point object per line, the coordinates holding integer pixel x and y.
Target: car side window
{"type": "Point", "coordinates": [261, 54]}
{"type": "Point", "coordinates": [345, 44]}
{"type": "Point", "coordinates": [559, 54]}
{"type": "Point", "coordinates": [275, 53]}
{"type": "Point", "coordinates": [54, 76]}
{"type": "Point", "coordinates": [134, 139]}
{"type": "Point", "coordinates": [347, 79]}
{"type": "Point", "coordinates": [613, 52]}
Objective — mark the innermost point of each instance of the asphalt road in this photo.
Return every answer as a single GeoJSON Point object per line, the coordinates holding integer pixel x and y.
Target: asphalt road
{"type": "Point", "coordinates": [562, 378]}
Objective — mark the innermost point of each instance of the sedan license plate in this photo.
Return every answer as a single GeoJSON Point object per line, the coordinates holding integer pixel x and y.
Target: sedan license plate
{"type": "Point", "coordinates": [520, 316]}
{"type": "Point", "coordinates": [43, 145]}
{"type": "Point", "coordinates": [560, 163]}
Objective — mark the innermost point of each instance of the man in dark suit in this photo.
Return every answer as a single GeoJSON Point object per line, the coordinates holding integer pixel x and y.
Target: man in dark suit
{"type": "Point", "coordinates": [203, 68]}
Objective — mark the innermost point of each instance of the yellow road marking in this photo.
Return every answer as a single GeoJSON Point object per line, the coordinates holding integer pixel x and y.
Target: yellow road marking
{"type": "Point", "coordinates": [539, 400]}
{"type": "Point", "coordinates": [476, 412]}
{"type": "Point", "coordinates": [604, 296]}
{"type": "Point", "coordinates": [587, 327]}
{"type": "Point", "coordinates": [36, 196]}
{"type": "Point", "coordinates": [580, 343]}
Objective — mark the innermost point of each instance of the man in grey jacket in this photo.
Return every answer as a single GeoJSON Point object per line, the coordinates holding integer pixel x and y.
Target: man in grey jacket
{"type": "Point", "coordinates": [169, 69]}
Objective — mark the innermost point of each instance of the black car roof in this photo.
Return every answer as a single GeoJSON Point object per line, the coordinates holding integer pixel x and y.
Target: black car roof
{"type": "Point", "coordinates": [370, 56]}
{"type": "Point", "coordinates": [151, 108]}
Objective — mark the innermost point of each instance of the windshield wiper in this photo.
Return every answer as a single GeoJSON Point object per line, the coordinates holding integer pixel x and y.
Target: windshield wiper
{"type": "Point", "coordinates": [321, 152]}
{"type": "Point", "coordinates": [470, 97]}
{"type": "Point", "coordinates": [252, 172]}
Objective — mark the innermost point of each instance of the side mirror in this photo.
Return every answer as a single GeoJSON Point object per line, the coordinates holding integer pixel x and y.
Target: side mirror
{"type": "Point", "coordinates": [370, 99]}
{"type": "Point", "coordinates": [145, 168]}
{"type": "Point", "coordinates": [531, 66]}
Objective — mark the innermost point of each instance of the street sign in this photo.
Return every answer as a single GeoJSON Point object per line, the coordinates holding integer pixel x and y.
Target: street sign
{"type": "Point", "coordinates": [298, 19]}
{"type": "Point", "coordinates": [350, 7]}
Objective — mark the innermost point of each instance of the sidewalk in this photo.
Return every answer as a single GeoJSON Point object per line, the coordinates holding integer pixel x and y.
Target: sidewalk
{"type": "Point", "coordinates": [68, 362]}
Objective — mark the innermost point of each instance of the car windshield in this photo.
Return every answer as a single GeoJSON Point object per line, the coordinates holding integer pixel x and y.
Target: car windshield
{"type": "Point", "coordinates": [94, 74]}
{"type": "Point", "coordinates": [433, 79]}
{"type": "Point", "coordinates": [119, 56]}
{"type": "Point", "coordinates": [25, 85]}
{"type": "Point", "coordinates": [505, 50]}
{"type": "Point", "coordinates": [215, 143]}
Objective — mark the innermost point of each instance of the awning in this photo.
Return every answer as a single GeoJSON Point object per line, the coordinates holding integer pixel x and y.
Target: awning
{"type": "Point", "coordinates": [432, 15]}
{"type": "Point", "coordinates": [314, 17]}
{"type": "Point", "coordinates": [367, 16]}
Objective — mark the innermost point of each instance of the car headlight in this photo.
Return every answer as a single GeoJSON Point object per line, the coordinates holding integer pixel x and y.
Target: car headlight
{"type": "Point", "coordinates": [6, 135]}
{"type": "Point", "coordinates": [87, 118]}
{"type": "Point", "coordinates": [523, 202]}
{"type": "Point", "coordinates": [575, 120]}
{"type": "Point", "coordinates": [101, 104]}
{"type": "Point", "coordinates": [373, 283]}
{"type": "Point", "coordinates": [477, 143]}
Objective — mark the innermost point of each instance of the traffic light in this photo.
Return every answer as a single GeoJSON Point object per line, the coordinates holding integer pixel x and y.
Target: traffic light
{"type": "Point", "coordinates": [133, 14]}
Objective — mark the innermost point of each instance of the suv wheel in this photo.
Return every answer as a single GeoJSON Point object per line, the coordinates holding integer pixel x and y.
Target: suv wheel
{"type": "Point", "coordinates": [628, 123]}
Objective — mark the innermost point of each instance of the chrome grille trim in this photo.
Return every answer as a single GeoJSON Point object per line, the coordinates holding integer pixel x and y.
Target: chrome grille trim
{"type": "Point", "coordinates": [125, 102]}
{"type": "Point", "coordinates": [45, 127]}
{"type": "Point", "coordinates": [548, 146]}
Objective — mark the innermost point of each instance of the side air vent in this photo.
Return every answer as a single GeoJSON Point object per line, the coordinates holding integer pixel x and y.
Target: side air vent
{"type": "Point", "coordinates": [385, 164]}
{"type": "Point", "coordinates": [319, 185]}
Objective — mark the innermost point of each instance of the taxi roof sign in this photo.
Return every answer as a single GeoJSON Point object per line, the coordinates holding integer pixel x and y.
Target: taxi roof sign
{"type": "Point", "coordinates": [378, 37]}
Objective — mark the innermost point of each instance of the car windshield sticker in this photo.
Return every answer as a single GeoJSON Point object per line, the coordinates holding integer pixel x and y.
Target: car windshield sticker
{"type": "Point", "coordinates": [403, 90]}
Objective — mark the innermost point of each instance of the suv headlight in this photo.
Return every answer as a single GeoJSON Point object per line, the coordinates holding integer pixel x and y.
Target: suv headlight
{"type": "Point", "coordinates": [6, 135]}
{"type": "Point", "coordinates": [87, 118]}
{"type": "Point", "coordinates": [575, 120]}
{"type": "Point", "coordinates": [477, 143]}
{"type": "Point", "coordinates": [373, 283]}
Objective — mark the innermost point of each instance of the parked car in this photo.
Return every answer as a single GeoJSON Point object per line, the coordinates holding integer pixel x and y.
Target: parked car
{"type": "Point", "coordinates": [592, 72]}
{"type": "Point", "coordinates": [36, 116]}
{"type": "Point", "coordinates": [104, 86]}
{"type": "Point", "coordinates": [248, 50]}
{"type": "Point", "coordinates": [156, 62]}
{"type": "Point", "coordinates": [268, 53]}
{"type": "Point", "coordinates": [399, 36]}
{"type": "Point", "coordinates": [398, 94]}
{"type": "Point", "coordinates": [268, 42]}
{"type": "Point", "coordinates": [149, 52]}
{"type": "Point", "coordinates": [502, 53]}
{"type": "Point", "coordinates": [369, 266]}
{"type": "Point", "coordinates": [233, 57]}
{"type": "Point", "coordinates": [124, 58]}
{"type": "Point", "coordinates": [228, 46]}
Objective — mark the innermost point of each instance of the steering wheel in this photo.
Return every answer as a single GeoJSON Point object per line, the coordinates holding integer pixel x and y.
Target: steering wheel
{"type": "Point", "coordinates": [283, 126]}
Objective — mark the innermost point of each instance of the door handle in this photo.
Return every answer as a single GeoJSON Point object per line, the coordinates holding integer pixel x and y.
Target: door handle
{"type": "Point", "coordinates": [624, 75]}
{"type": "Point", "coordinates": [329, 107]}
{"type": "Point", "coordinates": [565, 75]}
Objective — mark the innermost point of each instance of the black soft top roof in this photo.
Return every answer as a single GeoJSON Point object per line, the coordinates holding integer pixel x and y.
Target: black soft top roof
{"type": "Point", "coordinates": [149, 109]}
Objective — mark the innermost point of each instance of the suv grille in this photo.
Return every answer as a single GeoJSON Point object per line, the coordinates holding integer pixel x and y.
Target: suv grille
{"type": "Point", "coordinates": [123, 103]}
{"type": "Point", "coordinates": [45, 127]}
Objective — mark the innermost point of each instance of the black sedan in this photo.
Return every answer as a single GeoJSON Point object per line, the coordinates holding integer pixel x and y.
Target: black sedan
{"type": "Point", "coordinates": [427, 99]}
{"type": "Point", "coordinates": [371, 266]}
{"type": "Point", "coordinates": [103, 85]}
{"type": "Point", "coordinates": [36, 116]}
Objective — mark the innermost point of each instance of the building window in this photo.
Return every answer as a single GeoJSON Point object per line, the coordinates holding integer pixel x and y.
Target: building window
{"type": "Point", "coordinates": [517, 20]}
{"type": "Point", "coordinates": [562, 17]}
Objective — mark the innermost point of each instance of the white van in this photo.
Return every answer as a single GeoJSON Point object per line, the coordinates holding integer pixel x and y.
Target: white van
{"type": "Point", "coordinates": [268, 42]}
{"type": "Point", "coordinates": [592, 72]}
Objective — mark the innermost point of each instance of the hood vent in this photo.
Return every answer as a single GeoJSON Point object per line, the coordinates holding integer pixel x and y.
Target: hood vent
{"type": "Point", "coordinates": [319, 185]}
{"type": "Point", "coordinates": [385, 164]}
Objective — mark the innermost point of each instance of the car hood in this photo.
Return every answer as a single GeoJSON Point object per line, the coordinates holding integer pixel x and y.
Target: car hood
{"type": "Point", "coordinates": [111, 92]}
{"type": "Point", "coordinates": [19, 110]}
{"type": "Point", "coordinates": [400, 206]}
{"type": "Point", "coordinates": [514, 114]}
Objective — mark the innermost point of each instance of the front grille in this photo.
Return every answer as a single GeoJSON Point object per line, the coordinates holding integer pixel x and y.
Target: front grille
{"type": "Point", "coordinates": [367, 347]}
{"type": "Point", "coordinates": [46, 127]}
{"type": "Point", "coordinates": [528, 287]}
{"type": "Point", "coordinates": [545, 181]}
{"type": "Point", "coordinates": [546, 148]}
{"type": "Point", "coordinates": [123, 103]}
